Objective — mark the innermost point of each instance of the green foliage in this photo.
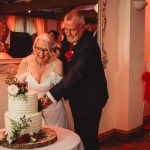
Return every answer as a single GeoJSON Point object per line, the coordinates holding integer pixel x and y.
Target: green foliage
{"type": "Point", "coordinates": [42, 134]}
{"type": "Point", "coordinates": [17, 127]}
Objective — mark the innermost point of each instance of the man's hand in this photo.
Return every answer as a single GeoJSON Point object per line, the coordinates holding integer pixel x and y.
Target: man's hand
{"type": "Point", "coordinates": [46, 101]}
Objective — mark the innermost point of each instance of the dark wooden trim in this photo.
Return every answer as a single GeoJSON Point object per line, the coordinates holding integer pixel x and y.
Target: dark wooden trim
{"type": "Point", "coordinates": [116, 134]}
{"type": "Point", "coordinates": [51, 15]}
{"type": "Point", "coordinates": [37, 4]}
{"type": "Point", "coordinates": [107, 136]}
{"type": "Point", "coordinates": [46, 9]}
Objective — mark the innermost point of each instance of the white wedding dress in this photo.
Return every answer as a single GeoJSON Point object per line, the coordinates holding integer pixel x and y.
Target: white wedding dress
{"type": "Point", "coordinates": [54, 114]}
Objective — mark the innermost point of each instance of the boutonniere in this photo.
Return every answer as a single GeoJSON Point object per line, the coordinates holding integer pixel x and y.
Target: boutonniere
{"type": "Point", "coordinates": [69, 54]}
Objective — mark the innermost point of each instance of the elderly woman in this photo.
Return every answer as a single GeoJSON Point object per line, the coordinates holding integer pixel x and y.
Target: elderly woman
{"type": "Point", "coordinates": [42, 71]}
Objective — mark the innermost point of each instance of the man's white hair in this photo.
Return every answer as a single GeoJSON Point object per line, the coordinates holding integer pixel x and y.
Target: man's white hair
{"type": "Point", "coordinates": [75, 13]}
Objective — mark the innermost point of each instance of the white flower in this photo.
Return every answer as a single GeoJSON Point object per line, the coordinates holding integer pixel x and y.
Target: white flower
{"type": "Point", "coordinates": [22, 132]}
{"type": "Point", "coordinates": [13, 89]}
{"type": "Point", "coordinates": [10, 137]}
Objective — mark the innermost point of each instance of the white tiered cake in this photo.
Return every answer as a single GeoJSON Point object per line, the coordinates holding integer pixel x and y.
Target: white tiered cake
{"type": "Point", "coordinates": [23, 122]}
{"type": "Point", "coordinates": [23, 106]}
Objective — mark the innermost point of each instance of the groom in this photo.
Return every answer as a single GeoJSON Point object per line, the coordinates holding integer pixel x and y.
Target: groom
{"type": "Point", "coordinates": [84, 82]}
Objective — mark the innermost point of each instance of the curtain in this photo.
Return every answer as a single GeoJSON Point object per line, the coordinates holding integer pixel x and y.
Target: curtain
{"type": "Point", "coordinates": [20, 24]}
{"type": "Point", "coordinates": [30, 24]}
{"type": "Point", "coordinates": [11, 22]}
{"type": "Point", "coordinates": [40, 25]}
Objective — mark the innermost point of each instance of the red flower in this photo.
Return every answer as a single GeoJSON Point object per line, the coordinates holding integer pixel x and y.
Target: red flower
{"type": "Point", "coordinates": [69, 54]}
{"type": "Point", "coordinates": [23, 139]}
{"type": "Point", "coordinates": [26, 138]}
{"type": "Point", "coordinates": [20, 140]}
{"type": "Point", "coordinates": [36, 136]}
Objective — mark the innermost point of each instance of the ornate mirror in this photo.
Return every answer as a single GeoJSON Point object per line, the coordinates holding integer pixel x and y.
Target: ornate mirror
{"type": "Point", "coordinates": [47, 8]}
{"type": "Point", "coordinates": [56, 9]}
{"type": "Point", "coordinates": [102, 27]}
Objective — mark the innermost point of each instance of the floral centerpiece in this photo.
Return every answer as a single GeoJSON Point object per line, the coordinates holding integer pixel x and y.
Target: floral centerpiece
{"type": "Point", "coordinates": [15, 87]}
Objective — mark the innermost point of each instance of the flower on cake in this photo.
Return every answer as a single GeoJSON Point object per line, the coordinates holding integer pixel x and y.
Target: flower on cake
{"type": "Point", "coordinates": [15, 87]}
{"type": "Point", "coordinates": [10, 137]}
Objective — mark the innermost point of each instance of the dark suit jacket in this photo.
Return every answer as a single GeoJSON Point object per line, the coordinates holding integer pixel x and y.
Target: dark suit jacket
{"type": "Point", "coordinates": [20, 44]}
{"type": "Point", "coordinates": [84, 82]}
{"type": "Point", "coordinates": [95, 36]}
{"type": "Point", "coordinates": [65, 47]}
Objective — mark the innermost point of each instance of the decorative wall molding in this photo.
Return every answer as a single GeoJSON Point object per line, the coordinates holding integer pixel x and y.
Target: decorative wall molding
{"type": "Point", "coordinates": [9, 66]}
{"type": "Point", "coordinates": [103, 23]}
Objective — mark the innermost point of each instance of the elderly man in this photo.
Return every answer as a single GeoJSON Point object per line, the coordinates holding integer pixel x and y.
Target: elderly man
{"type": "Point", "coordinates": [17, 44]}
{"type": "Point", "coordinates": [84, 82]}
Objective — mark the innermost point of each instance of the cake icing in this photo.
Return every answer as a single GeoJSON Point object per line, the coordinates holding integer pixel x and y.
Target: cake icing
{"type": "Point", "coordinates": [19, 106]}
{"type": "Point", "coordinates": [23, 105]}
{"type": "Point", "coordinates": [35, 125]}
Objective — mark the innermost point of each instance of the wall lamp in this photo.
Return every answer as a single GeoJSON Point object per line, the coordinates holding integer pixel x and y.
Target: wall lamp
{"type": "Point", "coordinates": [139, 4]}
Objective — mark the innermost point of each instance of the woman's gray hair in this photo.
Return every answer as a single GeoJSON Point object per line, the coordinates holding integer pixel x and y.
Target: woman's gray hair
{"type": "Point", "coordinates": [44, 37]}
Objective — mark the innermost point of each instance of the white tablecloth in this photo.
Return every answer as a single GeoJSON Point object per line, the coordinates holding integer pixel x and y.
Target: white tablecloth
{"type": "Point", "coordinates": [67, 140]}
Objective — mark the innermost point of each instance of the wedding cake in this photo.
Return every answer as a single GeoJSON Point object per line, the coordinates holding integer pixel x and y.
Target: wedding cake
{"type": "Point", "coordinates": [20, 106]}
{"type": "Point", "coordinates": [23, 122]}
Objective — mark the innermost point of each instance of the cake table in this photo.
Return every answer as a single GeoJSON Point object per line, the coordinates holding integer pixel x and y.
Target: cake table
{"type": "Point", "coordinates": [66, 140]}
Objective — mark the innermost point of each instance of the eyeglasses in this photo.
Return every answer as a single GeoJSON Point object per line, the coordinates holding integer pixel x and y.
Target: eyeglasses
{"type": "Point", "coordinates": [44, 50]}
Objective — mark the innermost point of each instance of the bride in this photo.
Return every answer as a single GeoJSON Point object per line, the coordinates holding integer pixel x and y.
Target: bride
{"type": "Point", "coordinates": [42, 71]}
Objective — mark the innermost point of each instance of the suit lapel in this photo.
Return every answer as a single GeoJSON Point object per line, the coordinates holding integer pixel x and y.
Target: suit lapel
{"type": "Point", "coordinates": [77, 49]}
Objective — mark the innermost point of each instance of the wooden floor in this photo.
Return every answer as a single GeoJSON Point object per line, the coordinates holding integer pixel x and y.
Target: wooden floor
{"type": "Point", "coordinates": [141, 143]}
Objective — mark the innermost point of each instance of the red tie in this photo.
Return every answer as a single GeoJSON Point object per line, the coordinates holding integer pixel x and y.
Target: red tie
{"type": "Point", "coordinates": [71, 47]}
{"type": "Point", "coordinates": [69, 53]}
